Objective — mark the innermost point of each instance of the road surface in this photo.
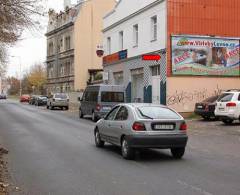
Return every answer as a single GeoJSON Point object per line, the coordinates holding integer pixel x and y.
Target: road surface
{"type": "Point", "coordinates": [52, 153]}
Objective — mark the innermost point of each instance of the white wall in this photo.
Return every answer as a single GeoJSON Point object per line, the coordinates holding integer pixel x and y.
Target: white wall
{"type": "Point", "coordinates": [124, 9]}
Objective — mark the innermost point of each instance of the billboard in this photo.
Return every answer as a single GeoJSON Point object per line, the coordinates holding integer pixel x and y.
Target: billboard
{"type": "Point", "coordinates": [205, 56]}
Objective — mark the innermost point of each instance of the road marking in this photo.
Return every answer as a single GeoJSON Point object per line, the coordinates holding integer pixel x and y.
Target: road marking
{"type": "Point", "coordinates": [195, 188]}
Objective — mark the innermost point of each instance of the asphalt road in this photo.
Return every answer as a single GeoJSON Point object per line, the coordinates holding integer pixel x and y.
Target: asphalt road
{"type": "Point", "coordinates": [52, 153]}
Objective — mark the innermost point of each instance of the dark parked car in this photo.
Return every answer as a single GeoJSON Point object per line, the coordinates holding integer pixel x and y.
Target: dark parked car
{"type": "Point", "coordinates": [41, 100]}
{"type": "Point", "coordinates": [3, 97]}
{"type": "Point", "coordinates": [206, 108]}
{"type": "Point", "coordinates": [33, 99]}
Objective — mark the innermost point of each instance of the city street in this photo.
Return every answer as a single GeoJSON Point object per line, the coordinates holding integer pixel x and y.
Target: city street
{"type": "Point", "coordinates": [53, 153]}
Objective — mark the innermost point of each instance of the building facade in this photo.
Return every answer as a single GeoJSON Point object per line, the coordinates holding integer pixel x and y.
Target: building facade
{"type": "Point", "coordinates": [197, 43]}
{"type": "Point", "coordinates": [131, 30]}
{"type": "Point", "coordinates": [72, 38]}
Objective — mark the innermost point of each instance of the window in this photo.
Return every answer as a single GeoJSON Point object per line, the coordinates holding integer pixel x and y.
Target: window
{"type": "Point", "coordinates": [90, 96]}
{"type": "Point", "coordinates": [154, 28]}
{"type": "Point", "coordinates": [112, 96]}
{"type": "Point", "coordinates": [225, 97]}
{"type": "Point", "coordinates": [67, 43]}
{"type": "Point", "coordinates": [112, 113]}
{"type": "Point", "coordinates": [121, 40]}
{"type": "Point", "coordinates": [50, 48]}
{"type": "Point", "coordinates": [135, 35]}
{"type": "Point", "coordinates": [155, 70]}
{"type": "Point", "coordinates": [157, 112]}
{"type": "Point", "coordinates": [122, 114]}
{"type": "Point", "coordinates": [109, 45]}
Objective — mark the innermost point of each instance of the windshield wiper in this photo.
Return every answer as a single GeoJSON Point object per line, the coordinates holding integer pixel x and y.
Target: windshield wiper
{"type": "Point", "coordinates": [146, 116]}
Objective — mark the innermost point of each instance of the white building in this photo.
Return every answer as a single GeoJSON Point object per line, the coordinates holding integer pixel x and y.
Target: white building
{"type": "Point", "coordinates": [132, 29]}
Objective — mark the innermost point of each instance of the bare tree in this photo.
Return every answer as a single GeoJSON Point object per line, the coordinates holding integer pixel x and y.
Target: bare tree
{"type": "Point", "coordinates": [15, 16]}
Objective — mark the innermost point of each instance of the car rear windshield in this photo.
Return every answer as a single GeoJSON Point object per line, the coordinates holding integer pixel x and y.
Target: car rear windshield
{"type": "Point", "coordinates": [225, 97]}
{"type": "Point", "coordinates": [157, 112]}
{"type": "Point", "coordinates": [107, 96]}
{"type": "Point", "coordinates": [62, 96]}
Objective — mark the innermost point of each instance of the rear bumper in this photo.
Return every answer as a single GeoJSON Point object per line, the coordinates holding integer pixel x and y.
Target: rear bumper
{"type": "Point", "coordinates": [159, 141]}
{"type": "Point", "coordinates": [60, 104]}
{"type": "Point", "coordinates": [100, 114]}
{"type": "Point", "coordinates": [229, 115]}
{"type": "Point", "coordinates": [204, 113]}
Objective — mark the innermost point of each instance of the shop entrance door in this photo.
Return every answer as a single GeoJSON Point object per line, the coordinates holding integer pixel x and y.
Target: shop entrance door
{"type": "Point", "coordinates": [137, 88]}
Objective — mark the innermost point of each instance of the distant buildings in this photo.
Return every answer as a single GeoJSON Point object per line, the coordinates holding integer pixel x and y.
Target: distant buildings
{"type": "Point", "coordinates": [72, 38]}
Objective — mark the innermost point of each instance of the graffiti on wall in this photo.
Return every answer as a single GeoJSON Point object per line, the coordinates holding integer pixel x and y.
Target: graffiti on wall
{"type": "Point", "coordinates": [186, 97]}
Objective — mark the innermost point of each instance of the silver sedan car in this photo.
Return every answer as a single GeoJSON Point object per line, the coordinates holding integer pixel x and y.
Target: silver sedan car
{"type": "Point", "coordinates": [133, 126]}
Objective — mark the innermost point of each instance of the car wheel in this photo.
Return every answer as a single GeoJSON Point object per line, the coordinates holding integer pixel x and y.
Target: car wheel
{"type": "Point", "coordinates": [80, 113]}
{"type": "Point", "coordinates": [66, 108]}
{"type": "Point", "coordinates": [127, 151]}
{"type": "Point", "coordinates": [227, 121]}
{"type": "Point", "coordinates": [47, 107]}
{"type": "Point", "coordinates": [51, 107]}
{"type": "Point", "coordinates": [99, 143]}
{"type": "Point", "coordinates": [94, 117]}
{"type": "Point", "coordinates": [177, 153]}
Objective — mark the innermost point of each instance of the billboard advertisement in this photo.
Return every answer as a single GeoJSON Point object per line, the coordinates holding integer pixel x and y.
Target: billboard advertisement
{"type": "Point", "coordinates": [205, 56]}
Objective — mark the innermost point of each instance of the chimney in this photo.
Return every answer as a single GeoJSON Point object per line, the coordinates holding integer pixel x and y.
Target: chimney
{"type": "Point", "coordinates": [67, 3]}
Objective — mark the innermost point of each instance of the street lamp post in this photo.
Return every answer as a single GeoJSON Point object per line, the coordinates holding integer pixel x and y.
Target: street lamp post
{"type": "Point", "coordinates": [20, 74]}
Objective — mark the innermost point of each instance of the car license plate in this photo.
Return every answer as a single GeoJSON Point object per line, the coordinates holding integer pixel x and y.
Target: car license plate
{"type": "Point", "coordinates": [107, 108]}
{"type": "Point", "coordinates": [221, 109]}
{"type": "Point", "coordinates": [200, 107]}
{"type": "Point", "coordinates": [164, 127]}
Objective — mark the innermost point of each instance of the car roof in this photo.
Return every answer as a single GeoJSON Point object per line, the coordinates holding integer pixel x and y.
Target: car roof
{"type": "Point", "coordinates": [137, 105]}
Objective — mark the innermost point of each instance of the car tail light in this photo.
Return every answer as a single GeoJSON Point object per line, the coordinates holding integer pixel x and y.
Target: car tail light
{"type": "Point", "coordinates": [183, 127]}
{"type": "Point", "coordinates": [98, 107]}
{"type": "Point", "coordinates": [231, 104]}
{"type": "Point", "coordinates": [137, 126]}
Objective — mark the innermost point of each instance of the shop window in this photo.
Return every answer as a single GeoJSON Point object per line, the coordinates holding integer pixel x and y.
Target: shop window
{"type": "Point", "coordinates": [155, 70]}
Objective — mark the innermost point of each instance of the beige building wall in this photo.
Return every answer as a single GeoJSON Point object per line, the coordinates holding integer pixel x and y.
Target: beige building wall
{"type": "Point", "coordinates": [87, 35]}
{"type": "Point", "coordinates": [184, 92]}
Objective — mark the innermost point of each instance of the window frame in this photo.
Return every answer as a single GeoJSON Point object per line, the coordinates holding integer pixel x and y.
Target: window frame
{"type": "Point", "coordinates": [121, 46]}
{"type": "Point", "coordinates": [135, 35]}
{"type": "Point", "coordinates": [154, 28]}
{"type": "Point", "coordinates": [119, 110]}
{"type": "Point", "coordinates": [115, 108]}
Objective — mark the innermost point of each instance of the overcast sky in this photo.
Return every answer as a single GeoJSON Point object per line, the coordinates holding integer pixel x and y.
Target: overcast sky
{"type": "Point", "coordinates": [32, 48]}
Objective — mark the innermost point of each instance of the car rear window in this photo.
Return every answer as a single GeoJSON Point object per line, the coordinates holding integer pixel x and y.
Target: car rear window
{"type": "Point", "coordinates": [225, 97]}
{"type": "Point", "coordinates": [107, 96]}
{"type": "Point", "coordinates": [62, 96]}
{"type": "Point", "coordinates": [157, 112]}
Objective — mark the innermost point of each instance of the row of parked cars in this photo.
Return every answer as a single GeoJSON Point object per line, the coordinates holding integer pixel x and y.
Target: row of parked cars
{"type": "Point", "coordinates": [57, 100]}
{"type": "Point", "coordinates": [3, 96]}
{"type": "Point", "coordinates": [224, 107]}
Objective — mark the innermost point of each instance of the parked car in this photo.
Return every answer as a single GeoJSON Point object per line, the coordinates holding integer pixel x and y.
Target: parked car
{"type": "Point", "coordinates": [60, 100]}
{"type": "Point", "coordinates": [25, 98]}
{"type": "Point", "coordinates": [98, 100]}
{"type": "Point", "coordinates": [133, 126]}
{"type": "Point", "coordinates": [206, 108]}
{"type": "Point", "coordinates": [228, 106]}
{"type": "Point", "coordinates": [41, 100]}
{"type": "Point", "coordinates": [33, 99]}
{"type": "Point", "coordinates": [3, 96]}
